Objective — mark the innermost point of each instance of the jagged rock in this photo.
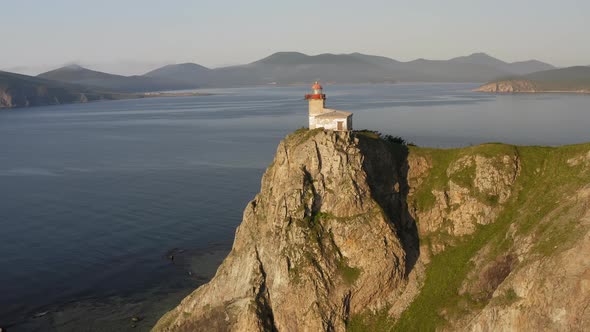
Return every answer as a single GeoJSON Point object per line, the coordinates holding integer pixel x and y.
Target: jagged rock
{"type": "Point", "coordinates": [464, 206]}
{"type": "Point", "coordinates": [547, 292]}
{"type": "Point", "coordinates": [318, 244]}
{"type": "Point", "coordinates": [580, 160]}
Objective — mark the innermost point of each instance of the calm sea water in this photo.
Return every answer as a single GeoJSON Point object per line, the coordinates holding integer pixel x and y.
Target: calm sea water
{"type": "Point", "coordinates": [94, 197]}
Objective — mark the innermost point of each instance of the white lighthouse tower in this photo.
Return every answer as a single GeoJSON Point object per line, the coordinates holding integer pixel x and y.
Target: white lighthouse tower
{"type": "Point", "coordinates": [322, 117]}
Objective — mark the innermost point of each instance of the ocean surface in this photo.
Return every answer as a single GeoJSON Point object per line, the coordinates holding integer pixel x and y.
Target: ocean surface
{"type": "Point", "coordinates": [119, 209]}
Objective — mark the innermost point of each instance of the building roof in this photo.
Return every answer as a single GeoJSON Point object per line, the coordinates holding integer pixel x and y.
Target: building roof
{"type": "Point", "coordinates": [334, 114]}
{"type": "Point", "coordinates": [316, 86]}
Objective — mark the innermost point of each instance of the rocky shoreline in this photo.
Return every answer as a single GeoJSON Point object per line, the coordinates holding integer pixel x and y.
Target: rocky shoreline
{"type": "Point", "coordinates": [522, 86]}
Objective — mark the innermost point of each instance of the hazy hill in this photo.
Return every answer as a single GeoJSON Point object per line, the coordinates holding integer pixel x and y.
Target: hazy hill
{"type": "Point", "coordinates": [376, 59]}
{"type": "Point", "coordinates": [519, 68]}
{"type": "Point", "coordinates": [571, 79]}
{"type": "Point", "coordinates": [187, 73]}
{"type": "Point", "coordinates": [296, 67]}
{"type": "Point", "coordinates": [281, 68]}
{"type": "Point", "coordinates": [476, 67]}
{"type": "Point", "coordinates": [20, 90]}
{"type": "Point", "coordinates": [296, 58]}
{"type": "Point", "coordinates": [291, 67]}
{"type": "Point", "coordinates": [576, 74]}
{"type": "Point", "coordinates": [78, 75]}
{"type": "Point", "coordinates": [479, 59]}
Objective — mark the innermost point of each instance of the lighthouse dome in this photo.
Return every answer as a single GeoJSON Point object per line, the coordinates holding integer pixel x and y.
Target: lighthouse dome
{"type": "Point", "coordinates": [316, 86]}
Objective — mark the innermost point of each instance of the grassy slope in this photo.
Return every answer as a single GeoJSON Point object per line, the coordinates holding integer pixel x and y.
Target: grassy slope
{"type": "Point", "coordinates": [544, 180]}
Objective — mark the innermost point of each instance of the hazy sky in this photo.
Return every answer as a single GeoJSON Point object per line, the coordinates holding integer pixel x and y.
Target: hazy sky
{"type": "Point", "coordinates": [147, 33]}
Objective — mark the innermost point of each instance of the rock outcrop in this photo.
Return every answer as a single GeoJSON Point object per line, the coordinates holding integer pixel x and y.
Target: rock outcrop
{"type": "Point", "coordinates": [318, 244]}
{"type": "Point", "coordinates": [475, 193]}
{"type": "Point", "coordinates": [509, 86]}
{"type": "Point", "coordinates": [350, 232]}
{"type": "Point", "coordinates": [519, 219]}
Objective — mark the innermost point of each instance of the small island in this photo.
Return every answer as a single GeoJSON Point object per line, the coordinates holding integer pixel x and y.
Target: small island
{"type": "Point", "coordinates": [564, 80]}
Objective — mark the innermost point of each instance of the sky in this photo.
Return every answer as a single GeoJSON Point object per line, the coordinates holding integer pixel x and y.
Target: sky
{"type": "Point", "coordinates": [131, 37]}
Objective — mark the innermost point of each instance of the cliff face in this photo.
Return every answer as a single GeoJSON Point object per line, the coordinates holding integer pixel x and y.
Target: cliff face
{"type": "Point", "coordinates": [315, 246]}
{"type": "Point", "coordinates": [350, 232]}
{"type": "Point", "coordinates": [504, 239]}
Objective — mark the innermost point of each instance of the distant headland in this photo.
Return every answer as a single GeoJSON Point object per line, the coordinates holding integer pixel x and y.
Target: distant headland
{"type": "Point", "coordinates": [565, 80]}
{"type": "Point", "coordinates": [25, 91]}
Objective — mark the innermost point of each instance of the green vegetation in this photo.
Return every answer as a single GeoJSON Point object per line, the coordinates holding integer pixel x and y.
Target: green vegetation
{"type": "Point", "coordinates": [508, 298]}
{"type": "Point", "coordinates": [368, 134]}
{"type": "Point", "coordinates": [301, 135]}
{"type": "Point", "coordinates": [373, 134]}
{"type": "Point", "coordinates": [441, 159]}
{"type": "Point", "coordinates": [563, 79]}
{"type": "Point", "coordinates": [378, 321]}
{"type": "Point", "coordinates": [542, 168]}
{"type": "Point", "coordinates": [537, 206]}
{"type": "Point", "coordinates": [444, 276]}
{"type": "Point", "coordinates": [349, 274]}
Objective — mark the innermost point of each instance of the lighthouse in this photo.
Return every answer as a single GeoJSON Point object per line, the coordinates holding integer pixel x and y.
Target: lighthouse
{"type": "Point", "coordinates": [322, 117]}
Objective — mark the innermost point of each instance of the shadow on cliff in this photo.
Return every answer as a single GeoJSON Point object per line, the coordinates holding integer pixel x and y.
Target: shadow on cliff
{"type": "Point", "coordinates": [386, 165]}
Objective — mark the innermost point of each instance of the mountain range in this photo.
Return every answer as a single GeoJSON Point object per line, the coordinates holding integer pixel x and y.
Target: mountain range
{"type": "Point", "coordinates": [75, 74]}
{"type": "Point", "coordinates": [294, 68]}
{"type": "Point", "coordinates": [74, 83]}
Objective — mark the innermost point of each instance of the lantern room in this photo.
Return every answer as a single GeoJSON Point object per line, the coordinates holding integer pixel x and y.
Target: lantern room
{"type": "Point", "coordinates": [316, 92]}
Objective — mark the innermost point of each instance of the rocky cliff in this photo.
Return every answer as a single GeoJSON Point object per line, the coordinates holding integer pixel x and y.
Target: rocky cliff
{"type": "Point", "coordinates": [508, 86]}
{"type": "Point", "coordinates": [317, 245]}
{"type": "Point", "coordinates": [350, 232]}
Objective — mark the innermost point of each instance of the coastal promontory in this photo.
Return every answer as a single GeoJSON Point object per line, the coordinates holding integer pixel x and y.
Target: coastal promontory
{"type": "Point", "coordinates": [565, 80]}
{"type": "Point", "coordinates": [358, 232]}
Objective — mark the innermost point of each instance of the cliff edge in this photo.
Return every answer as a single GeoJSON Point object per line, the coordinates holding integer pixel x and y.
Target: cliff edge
{"type": "Point", "coordinates": [317, 244]}
{"type": "Point", "coordinates": [354, 232]}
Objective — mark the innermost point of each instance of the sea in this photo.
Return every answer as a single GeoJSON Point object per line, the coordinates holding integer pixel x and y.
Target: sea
{"type": "Point", "coordinates": [111, 212]}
